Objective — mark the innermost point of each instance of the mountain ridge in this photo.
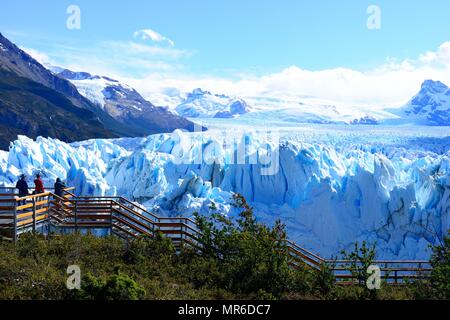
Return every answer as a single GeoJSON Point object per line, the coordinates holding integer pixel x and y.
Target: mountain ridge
{"type": "Point", "coordinates": [17, 61]}
{"type": "Point", "coordinates": [125, 104]}
{"type": "Point", "coordinates": [30, 108]}
{"type": "Point", "coordinates": [430, 106]}
{"type": "Point", "coordinates": [23, 70]}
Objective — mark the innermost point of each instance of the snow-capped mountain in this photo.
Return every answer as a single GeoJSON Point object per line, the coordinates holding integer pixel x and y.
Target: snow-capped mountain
{"type": "Point", "coordinates": [204, 104]}
{"type": "Point", "coordinates": [125, 104]}
{"type": "Point", "coordinates": [71, 75]}
{"type": "Point", "coordinates": [46, 111]}
{"type": "Point", "coordinates": [17, 61]}
{"type": "Point", "coordinates": [431, 106]}
{"type": "Point", "coordinates": [35, 102]}
{"type": "Point", "coordinates": [109, 94]}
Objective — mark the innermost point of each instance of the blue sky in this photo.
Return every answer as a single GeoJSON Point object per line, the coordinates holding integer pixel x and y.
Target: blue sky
{"type": "Point", "coordinates": [226, 38]}
{"type": "Point", "coordinates": [253, 34]}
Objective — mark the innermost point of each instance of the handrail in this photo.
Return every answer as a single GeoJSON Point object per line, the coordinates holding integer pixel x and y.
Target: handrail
{"type": "Point", "coordinates": [144, 210]}
{"type": "Point", "coordinates": [49, 188]}
{"type": "Point", "coordinates": [122, 199]}
{"type": "Point", "coordinates": [382, 261]}
{"type": "Point", "coordinates": [33, 196]}
{"type": "Point", "coordinates": [45, 194]}
{"type": "Point", "coordinates": [293, 244]}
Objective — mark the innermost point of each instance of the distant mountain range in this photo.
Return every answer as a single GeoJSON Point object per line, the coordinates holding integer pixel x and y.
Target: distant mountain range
{"type": "Point", "coordinates": [34, 101]}
{"type": "Point", "coordinates": [125, 104]}
{"type": "Point", "coordinates": [430, 106]}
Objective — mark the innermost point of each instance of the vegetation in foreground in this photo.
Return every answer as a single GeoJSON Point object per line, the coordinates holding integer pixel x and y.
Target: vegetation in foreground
{"type": "Point", "coordinates": [242, 259]}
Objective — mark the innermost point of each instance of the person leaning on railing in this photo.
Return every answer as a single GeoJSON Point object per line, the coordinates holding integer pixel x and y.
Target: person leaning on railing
{"type": "Point", "coordinates": [38, 185]}
{"type": "Point", "coordinates": [59, 188]}
{"type": "Point", "coordinates": [22, 185]}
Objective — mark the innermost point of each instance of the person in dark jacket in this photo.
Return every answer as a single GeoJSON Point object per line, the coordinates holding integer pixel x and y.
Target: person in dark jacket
{"type": "Point", "coordinates": [59, 188]}
{"type": "Point", "coordinates": [22, 185]}
{"type": "Point", "coordinates": [38, 185]}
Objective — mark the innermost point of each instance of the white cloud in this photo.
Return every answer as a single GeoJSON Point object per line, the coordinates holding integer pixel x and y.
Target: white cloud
{"type": "Point", "coordinates": [149, 34]}
{"type": "Point", "coordinates": [389, 85]}
{"type": "Point", "coordinates": [152, 70]}
{"type": "Point", "coordinates": [441, 56]}
{"type": "Point", "coordinates": [39, 56]}
{"type": "Point", "coordinates": [113, 58]}
{"type": "Point", "coordinates": [130, 47]}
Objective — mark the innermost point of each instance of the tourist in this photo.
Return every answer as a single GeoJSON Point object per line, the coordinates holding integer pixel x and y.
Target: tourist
{"type": "Point", "coordinates": [59, 188]}
{"type": "Point", "coordinates": [22, 185]}
{"type": "Point", "coordinates": [38, 185]}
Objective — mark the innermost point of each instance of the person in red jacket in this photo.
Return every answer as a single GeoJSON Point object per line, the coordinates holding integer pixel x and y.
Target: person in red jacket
{"type": "Point", "coordinates": [38, 185]}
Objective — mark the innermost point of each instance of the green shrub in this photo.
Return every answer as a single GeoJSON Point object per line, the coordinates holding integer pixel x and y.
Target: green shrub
{"type": "Point", "coordinates": [440, 276]}
{"type": "Point", "coordinates": [324, 281]}
{"type": "Point", "coordinates": [143, 248]}
{"type": "Point", "coordinates": [116, 287]}
{"type": "Point", "coordinates": [252, 256]}
{"type": "Point", "coordinates": [438, 284]}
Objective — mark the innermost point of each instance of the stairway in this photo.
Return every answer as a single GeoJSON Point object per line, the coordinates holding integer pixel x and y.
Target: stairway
{"type": "Point", "coordinates": [125, 219]}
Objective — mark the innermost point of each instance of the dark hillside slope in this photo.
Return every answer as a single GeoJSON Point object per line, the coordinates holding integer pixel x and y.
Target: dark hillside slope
{"type": "Point", "coordinates": [17, 61]}
{"type": "Point", "coordinates": [32, 109]}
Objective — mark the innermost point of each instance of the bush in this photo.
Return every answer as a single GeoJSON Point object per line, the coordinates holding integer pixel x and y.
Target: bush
{"type": "Point", "coordinates": [143, 248]}
{"type": "Point", "coordinates": [116, 287]}
{"type": "Point", "coordinates": [253, 257]}
{"type": "Point", "coordinates": [324, 281]}
{"type": "Point", "coordinates": [440, 276]}
{"type": "Point", "coordinates": [438, 284]}
{"type": "Point", "coordinates": [360, 259]}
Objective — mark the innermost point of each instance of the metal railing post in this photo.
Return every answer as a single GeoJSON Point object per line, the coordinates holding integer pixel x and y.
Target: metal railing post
{"type": "Point", "coordinates": [76, 216]}
{"type": "Point", "coordinates": [111, 217]}
{"type": "Point", "coordinates": [15, 222]}
{"type": "Point", "coordinates": [34, 215]}
{"type": "Point", "coordinates": [49, 212]}
{"type": "Point", "coordinates": [181, 234]}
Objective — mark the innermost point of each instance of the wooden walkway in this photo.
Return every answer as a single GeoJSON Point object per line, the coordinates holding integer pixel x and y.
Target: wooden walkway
{"type": "Point", "coordinates": [118, 216]}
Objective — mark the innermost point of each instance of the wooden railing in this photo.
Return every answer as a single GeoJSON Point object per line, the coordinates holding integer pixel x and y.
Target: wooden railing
{"type": "Point", "coordinates": [345, 271]}
{"type": "Point", "coordinates": [125, 219]}
{"type": "Point", "coordinates": [23, 214]}
{"type": "Point", "coordinates": [396, 272]}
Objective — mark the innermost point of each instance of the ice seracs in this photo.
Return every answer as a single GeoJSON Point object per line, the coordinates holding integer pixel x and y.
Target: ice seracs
{"type": "Point", "coordinates": [331, 188]}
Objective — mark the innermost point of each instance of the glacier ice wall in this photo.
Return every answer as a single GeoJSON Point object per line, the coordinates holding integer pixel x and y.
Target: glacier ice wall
{"type": "Point", "coordinates": [82, 167]}
{"type": "Point", "coordinates": [330, 192]}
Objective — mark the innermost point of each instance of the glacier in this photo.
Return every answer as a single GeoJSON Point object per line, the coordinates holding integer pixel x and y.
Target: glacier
{"type": "Point", "coordinates": [332, 185]}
